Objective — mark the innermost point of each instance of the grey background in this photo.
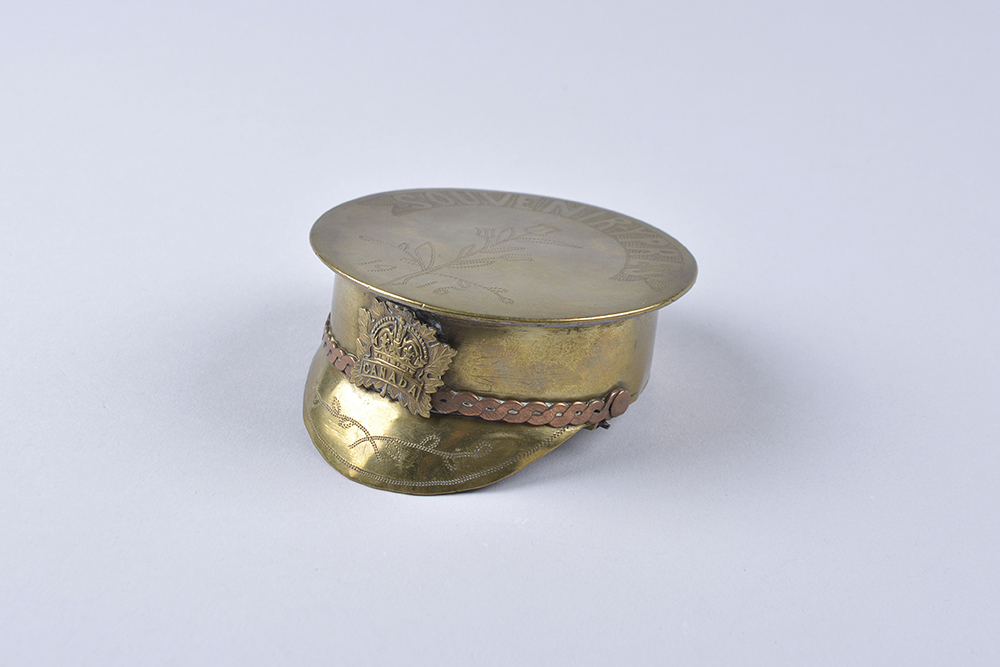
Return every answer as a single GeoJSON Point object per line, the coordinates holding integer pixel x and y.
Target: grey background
{"type": "Point", "coordinates": [811, 478]}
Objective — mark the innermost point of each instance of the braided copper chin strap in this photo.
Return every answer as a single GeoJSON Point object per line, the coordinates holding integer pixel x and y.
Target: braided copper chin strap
{"type": "Point", "coordinates": [448, 401]}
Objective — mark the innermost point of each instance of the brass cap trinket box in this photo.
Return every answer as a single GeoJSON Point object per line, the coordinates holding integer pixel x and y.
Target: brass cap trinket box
{"type": "Point", "coordinates": [473, 331]}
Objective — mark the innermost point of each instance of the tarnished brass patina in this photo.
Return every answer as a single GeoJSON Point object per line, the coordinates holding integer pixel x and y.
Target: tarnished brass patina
{"type": "Point", "coordinates": [471, 332]}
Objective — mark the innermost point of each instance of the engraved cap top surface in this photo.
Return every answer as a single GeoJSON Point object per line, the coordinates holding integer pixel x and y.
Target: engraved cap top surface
{"type": "Point", "coordinates": [503, 256]}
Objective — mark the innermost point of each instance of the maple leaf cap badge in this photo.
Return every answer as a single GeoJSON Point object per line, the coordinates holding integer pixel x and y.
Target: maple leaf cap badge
{"type": "Point", "coordinates": [399, 356]}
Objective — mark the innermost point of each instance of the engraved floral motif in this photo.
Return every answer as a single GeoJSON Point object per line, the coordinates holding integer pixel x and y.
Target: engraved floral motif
{"type": "Point", "coordinates": [650, 256]}
{"type": "Point", "coordinates": [432, 271]}
{"type": "Point", "coordinates": [382, 446]}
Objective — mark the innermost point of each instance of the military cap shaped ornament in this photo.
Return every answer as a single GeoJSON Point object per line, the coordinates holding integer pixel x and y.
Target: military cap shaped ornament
{"type": "Point", "coordinates": [474, 331]}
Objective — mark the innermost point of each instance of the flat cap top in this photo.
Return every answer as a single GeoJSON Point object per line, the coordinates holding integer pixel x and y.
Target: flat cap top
{"type": "Point", "coordinates": [503, 256]}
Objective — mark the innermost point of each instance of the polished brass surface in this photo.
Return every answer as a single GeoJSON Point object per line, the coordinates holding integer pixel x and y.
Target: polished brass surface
{"type": "Point", "coordinates": [525, 361]}
{"type": "Point", "coordinates": [448, 401]}
{"type": "Point", "coordinates": [545, 309]}
{"type": "Point", "coordinates": [378, 442]}
{"type": "Point", "coordinates": [503, 256]}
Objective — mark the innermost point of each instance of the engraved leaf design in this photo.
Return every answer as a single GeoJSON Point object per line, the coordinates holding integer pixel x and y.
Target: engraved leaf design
{"type": "Point", "coordinates": [425, 255]}
{"type": "Point", "coordinates": [542, 229]}
{"type": "Point", "coordinates": [493, 246]}
{"type": "Point", "coordinates": [378, 266]}
{"type": "Point", "coordinates": [498, 249]}
{"type": "Point", "coordinates": [474, 263]}
{"type": "Point", "coordinates": [394, 446]}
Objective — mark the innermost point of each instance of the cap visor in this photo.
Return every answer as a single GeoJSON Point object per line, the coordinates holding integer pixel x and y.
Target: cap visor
{"type": "Point", "coordinates": [377, 441]}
